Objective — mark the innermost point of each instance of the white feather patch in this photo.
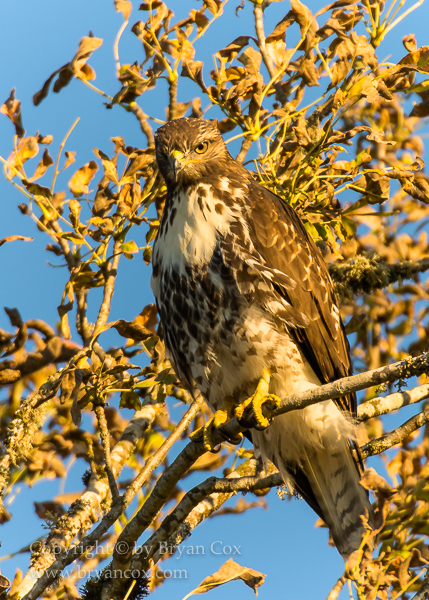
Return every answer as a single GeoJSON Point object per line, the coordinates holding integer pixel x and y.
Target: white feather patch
{"type": "Point", "coordinates": [191, 238]}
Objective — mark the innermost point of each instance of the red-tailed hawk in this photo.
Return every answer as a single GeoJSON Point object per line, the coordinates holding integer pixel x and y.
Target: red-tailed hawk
{"type": "Point", "coordinates": [243, 293]}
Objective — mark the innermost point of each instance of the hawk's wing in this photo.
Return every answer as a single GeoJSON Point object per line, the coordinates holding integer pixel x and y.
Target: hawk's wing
{"type": "Point", "coordinates": [286, 274]}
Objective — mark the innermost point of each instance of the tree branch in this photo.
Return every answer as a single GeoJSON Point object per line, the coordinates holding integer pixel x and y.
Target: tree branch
{"type": "Point", "coordinates": [105, 442]}
{"type": "Point", "coordinates": [85, 511]}
{"type": "Point", "coordinates": [241, 480]}
{"type": "Point", "coordinates": [386, 404]}
{"type": "Point", "coordinates": [144, 124]}
{"type": "Point", "coordinates": [423, 593]}
{"type": "Point", "coordinates": [172, 95]}
{"type": "Point", "coordinates": [109, 286]}
{"type": "Point", "coordinates": [56, 350]}
{"type": "Point", "coordinates": [188, 456]}
{"type": "Point", "coordinates": [222, 489]}
{"type": "Point", "coordinates": [260, 34]}
{"type": "Point", "coordinates": [168, 480]}
{"type": "Point", "coordinates": [396, 436]}
{"type": "Point", "coordinates": [337, 389]}
{"type": "Point", "coordinates": [365, 275]}
{"type": "Point", "coordinates": [245, 147]}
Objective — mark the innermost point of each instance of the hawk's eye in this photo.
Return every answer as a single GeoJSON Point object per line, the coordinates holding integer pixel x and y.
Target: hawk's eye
{"type": "Point", "coordinates": [201, 148]}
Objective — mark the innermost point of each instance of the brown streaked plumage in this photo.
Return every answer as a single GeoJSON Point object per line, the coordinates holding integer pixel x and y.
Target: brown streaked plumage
{"type": "Point", "coordinates": [240, 287]}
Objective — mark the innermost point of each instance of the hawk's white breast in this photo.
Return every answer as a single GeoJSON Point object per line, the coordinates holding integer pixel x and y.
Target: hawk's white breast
{"type": "Point", "coordinates": [191, 235]}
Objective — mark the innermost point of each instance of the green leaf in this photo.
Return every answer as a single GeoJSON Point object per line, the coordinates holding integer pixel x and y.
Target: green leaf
{"type": "Point", "coordinates": [312, 230]}
{"type": "Point", "coordinates": [147, 254]}
{"type": "Point", "coordinates": [349, 225]}
{"type": "Point", "coordinates": [130, 247]}
{"type": "Point", "coordinates": [73, 237]}
{"type": "Point", "coordinates": [146, 383]}
{"type": "Point", "coordinates": [130, 399]}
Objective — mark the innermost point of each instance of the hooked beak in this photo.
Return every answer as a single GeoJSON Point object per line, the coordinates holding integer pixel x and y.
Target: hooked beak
{"type": "Point", "coordinates": [176, 162]}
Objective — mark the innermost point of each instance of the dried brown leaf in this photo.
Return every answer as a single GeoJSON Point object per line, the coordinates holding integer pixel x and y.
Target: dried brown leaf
{"type": "Point", "coordinates": [151, 5]}
{"type": "Point", "coordinates": [109, 166]}
{"type": "Point", "coordinates": [12, 109]}
{"type": "Point", "coordinates": [199, 19]}
{"type": "Point", "coordinates": [307, 23]}
{"type": "Point", "coordinates": [235, 47]}
{"type": "Point", "coordinates": [13, 238]}
{"type": "Point", "coordinates": [230, 571]}
{"type": "Point", "coordinates": [46, 162]}
{"type": "Point", "coordinates": [77, 66]}
{"type": "Point", "coordinates": [125, 7]}
{"type": "Point", "coordinates": [4, 583]}
{"type": "Point", "coordinates": [87, 45]}
{"type": "Point", "coordinates": [421, 109]}
{"type": "Point", "coordinates": [70, 159]}
{"type": "Point", "coordinates": [43, 197]}
{"type": "Point", "coordinates": [418, 60]}
{"type": "Point", "coordinates": [369, 89]}
{"type": "Point", "coordinates": [180, 49]}
{"type": "Point", "coordinates": [277, 51]}
{"type": "Point", "coordinates": [142, 328]}
{"type": "Point", "coordinates": [194, 70]}
{"type": "Point", "coordinates": [45, 139]}
{"type": "Point", "coordinates": [279, 30]}
{"type": "Point", "coordinates": [251, 59]}
{"type": "Point", "coordinates": [78, 184]}
{"type": "Point", "coordinates": [27, 148]}
{"type": "Point", "coordinates": [409, 42]}
{"type": "Point", "coordinates": [214, 6]}
{"type": "Point", "coordinates": [371, 480]}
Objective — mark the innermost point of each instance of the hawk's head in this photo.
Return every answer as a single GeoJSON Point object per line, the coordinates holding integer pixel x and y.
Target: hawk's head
{"type": "Point", "coordinates": [188, 150]}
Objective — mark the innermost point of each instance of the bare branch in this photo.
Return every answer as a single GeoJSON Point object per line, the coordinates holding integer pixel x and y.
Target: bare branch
{"type": "Point", "coordinates": [212, 488]}
{"type": "Point", "coordinates": [260, 34]}
{"type": "Point", "coordinates": [105, 442]}
{"type": "Point", "coordinates": [245, 147]}
{"type": "Point", "coordinates": [144, 124]}
{"type": "Point", "coordinates": [386, 404]}
{"type": "Point", "coordinates": [396, 436]}
{"type": "Point", "coordinates": [402, 369]}
{"type": "Point", "coordinates": [172, 95]}
{"type": "Point", "coordinates": [222, 489]}
{"type": "Point", "coordinates": [109, 285]}
{"type": "Point", "coordinates": [334, 593]}
{"type": "Point", "coordinates": [56, 350]}
{"type": "Point", "coordinates": [42, 327]}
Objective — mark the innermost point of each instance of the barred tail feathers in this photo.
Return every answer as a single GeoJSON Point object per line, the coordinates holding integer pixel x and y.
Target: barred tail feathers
{"type": "Point", "coordinates": [334, 480]}
{"type": "Point", "coordinates": [310, 448]}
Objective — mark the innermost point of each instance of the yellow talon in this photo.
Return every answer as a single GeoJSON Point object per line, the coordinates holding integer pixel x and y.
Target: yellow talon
{"type": "Point", "coordinates": [220, 417]}
{"type": "Point", "coordinates": [253, 405]}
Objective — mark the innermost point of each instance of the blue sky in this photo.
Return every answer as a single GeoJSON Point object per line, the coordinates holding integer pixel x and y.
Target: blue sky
{"type": "Point", "coordinates": [35, 39]}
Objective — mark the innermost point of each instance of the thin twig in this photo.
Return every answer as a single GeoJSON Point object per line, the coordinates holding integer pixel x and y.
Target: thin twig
{"type": "Point", "coordinates": [116, 47]}
{"type": "Point", "coordinates": [109, 285]}
{"type": "Point", "coordinates": [63, 143]}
